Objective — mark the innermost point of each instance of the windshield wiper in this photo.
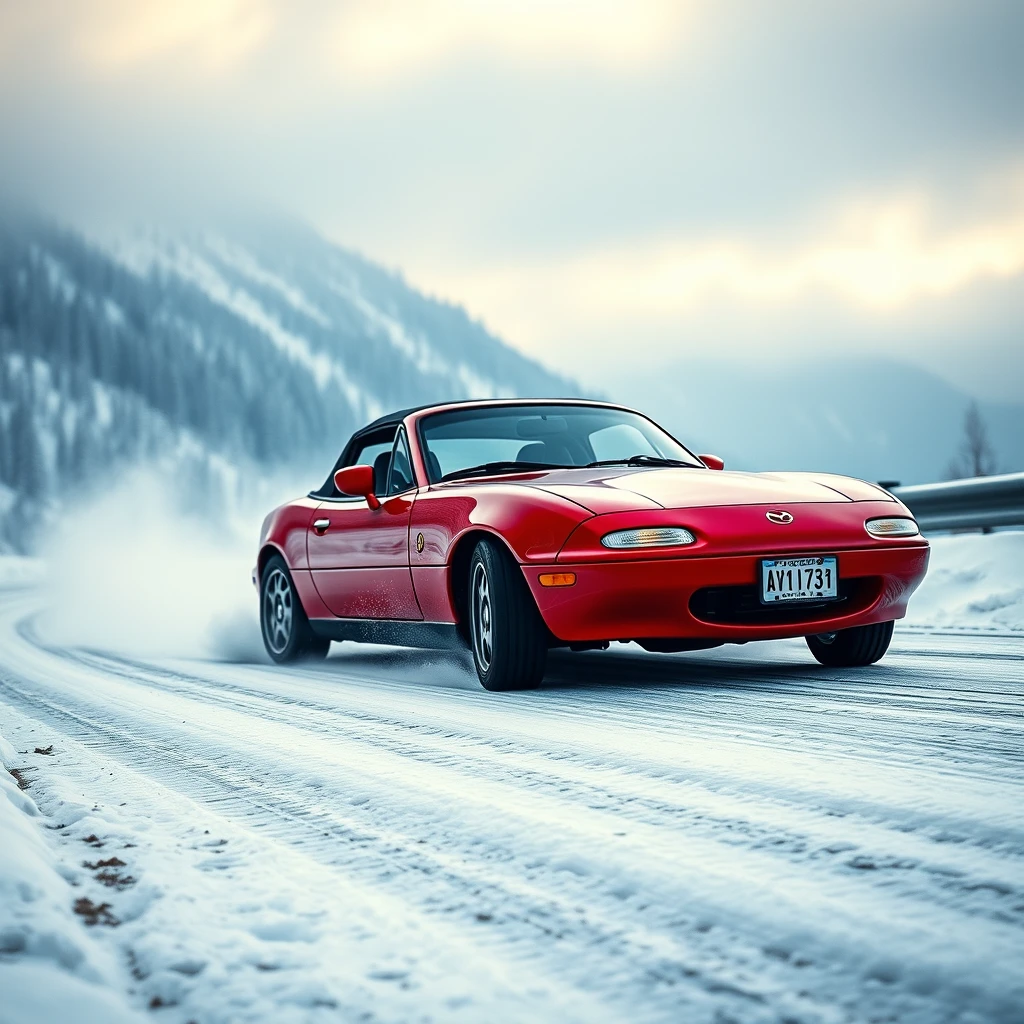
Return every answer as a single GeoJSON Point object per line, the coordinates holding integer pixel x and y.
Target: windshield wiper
{"type": "Point", "coordinates": [513, 466]}
{"type": "Point", "coordinates": [641, 460]}
{"type": "Point", "coordinates": [490, 468]}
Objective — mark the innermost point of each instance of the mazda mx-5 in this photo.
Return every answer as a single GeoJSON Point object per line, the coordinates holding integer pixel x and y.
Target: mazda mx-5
{"type": "Point", "coordinates": [515, 526]}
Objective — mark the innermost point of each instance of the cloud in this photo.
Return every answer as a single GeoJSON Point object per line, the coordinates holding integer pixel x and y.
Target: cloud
{"type": "Point", "coordinates": [880, 256]}
{"type": "Point", "coordinates": [109, 37]}
{"type": "Point", "coordinates": [397, 39]}
{"type": "Point", "coordinates": [372, 43]}
{"type": "Point", "coordinates": [216, 34]}
{"type": "Point", "coordinates": [572, 170]}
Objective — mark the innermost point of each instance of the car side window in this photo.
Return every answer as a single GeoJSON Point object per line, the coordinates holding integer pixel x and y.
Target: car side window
{"type": "Point", "coordinates": [401, 478]}
{"type": "Point", "coordinates": [367, 455]}
{"type": "Point", "coordinates": [363, 451]}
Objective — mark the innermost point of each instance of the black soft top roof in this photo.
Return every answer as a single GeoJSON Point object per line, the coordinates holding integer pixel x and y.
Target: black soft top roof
{"type": "Point", "coordinates": [391, 419]}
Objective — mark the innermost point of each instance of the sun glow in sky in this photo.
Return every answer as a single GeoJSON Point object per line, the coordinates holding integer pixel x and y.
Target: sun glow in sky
{"type": "Point", "coordinates": [689, 175]}
{"type": "Point", "coordinates": [399, 40]}
{"type": "Point", "coordinates": [876, 257]}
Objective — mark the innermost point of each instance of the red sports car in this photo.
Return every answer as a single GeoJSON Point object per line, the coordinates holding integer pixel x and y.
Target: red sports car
{"type": "Point", "coordinates": [514, 526]}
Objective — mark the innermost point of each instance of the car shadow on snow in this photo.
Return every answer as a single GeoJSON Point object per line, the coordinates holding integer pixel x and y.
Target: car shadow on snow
{"type": "Point", "coordinates": [730, 667]}
{"type": "Point", "coordinates": [446, 669]}
{"type": "Point", "coordinates": [734, 667]}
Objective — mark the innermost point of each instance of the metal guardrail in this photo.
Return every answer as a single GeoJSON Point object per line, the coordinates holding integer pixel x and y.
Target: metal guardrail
{"type": "Point", "coordinates": [976, 503]}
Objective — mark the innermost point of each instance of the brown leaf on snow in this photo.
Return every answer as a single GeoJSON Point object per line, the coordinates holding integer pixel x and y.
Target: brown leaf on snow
{"type": "Point", "coordinates": [113, 880]}
{"type": "Point", "coordinates": [19, 778]}
{"type": "Point", "coordinates": [110, 862]}
{"type": "Point", "coordinates": [95, 913]}
{"type": "Point", "coordinates": [45, 750]}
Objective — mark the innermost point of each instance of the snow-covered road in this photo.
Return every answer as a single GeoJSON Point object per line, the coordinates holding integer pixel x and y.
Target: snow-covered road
{"type": "Point", "coordinates": [735, 835]}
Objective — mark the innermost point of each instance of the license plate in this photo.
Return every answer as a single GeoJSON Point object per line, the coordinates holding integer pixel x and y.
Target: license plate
{"type": "Point", "coordinates": [798, 579]}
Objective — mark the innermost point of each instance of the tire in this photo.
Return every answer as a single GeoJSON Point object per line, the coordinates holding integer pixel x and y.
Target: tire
{"type": "Point", "coordinates": [287, 635]}
{"type": "Point", "coordinates": [507, 635]}
{"type": "Point", "coordinates": [849, 648]}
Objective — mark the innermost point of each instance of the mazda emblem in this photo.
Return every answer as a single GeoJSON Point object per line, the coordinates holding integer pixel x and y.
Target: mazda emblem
{"type": "Point", "coordinates": [782, 518]}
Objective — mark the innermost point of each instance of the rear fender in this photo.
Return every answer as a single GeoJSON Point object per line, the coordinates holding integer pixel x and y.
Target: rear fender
{"type": "Point", "coordinates": [284, 533]}
{"type": "Point", "coordinates": [287, 529]}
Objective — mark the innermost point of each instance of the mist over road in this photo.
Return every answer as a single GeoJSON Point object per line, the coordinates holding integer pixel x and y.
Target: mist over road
{"type": "Point", "coordinates": [732, 835]}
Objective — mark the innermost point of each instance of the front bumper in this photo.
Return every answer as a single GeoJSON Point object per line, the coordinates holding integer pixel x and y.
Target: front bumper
{"type": "Point", "coordinates": [669, 597]}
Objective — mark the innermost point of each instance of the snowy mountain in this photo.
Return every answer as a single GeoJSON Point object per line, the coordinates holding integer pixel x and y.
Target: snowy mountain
{"type": "Point", "coordinates": [210, 350]}
{"type": "Point", "coordinates": [872, 418]}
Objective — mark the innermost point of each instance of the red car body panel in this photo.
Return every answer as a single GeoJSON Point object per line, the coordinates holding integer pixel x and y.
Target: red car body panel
{"type": "Point", "coordinates": [631, 600]}
{"type": "Point", "coordinates": [285, 530]}
{"type": "Point", "coordinates": [399, 562]}
{"type": "Point", "coordinates": [532, 523]}
{"type": "Point", "coordinates": [360, 562]}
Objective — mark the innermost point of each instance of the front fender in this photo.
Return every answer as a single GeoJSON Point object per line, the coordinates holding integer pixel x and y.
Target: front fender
{"type": "Point", "coordinates": [530, 523]}
{"type": "Point", "coordinates": [534, 524]}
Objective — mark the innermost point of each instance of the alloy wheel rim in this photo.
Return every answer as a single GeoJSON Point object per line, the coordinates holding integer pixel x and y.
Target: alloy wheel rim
{"type": "Point", "coordinates": [278, 607]}
{"type": "Point", "coordinates": [482, 628]}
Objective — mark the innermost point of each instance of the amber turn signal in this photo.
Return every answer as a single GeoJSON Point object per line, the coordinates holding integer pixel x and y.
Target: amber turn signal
{"type": "Point", "coordinates": [557, 579]}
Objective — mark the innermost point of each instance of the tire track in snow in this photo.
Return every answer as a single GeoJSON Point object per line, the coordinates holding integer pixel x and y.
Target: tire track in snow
{"type": "Point", "coordinates": [537, 917]}
{"type": "Point", "coordinates": [617, 932]}
{"type": "Point", "coordinates": [434, 741]}
{"type": "Point", "coordinates": [910, 858]}
{"type": "Point", "coordinates": [590, 778]}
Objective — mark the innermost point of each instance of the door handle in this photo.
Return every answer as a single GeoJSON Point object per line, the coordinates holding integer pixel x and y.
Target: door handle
{"type": "Point", "coordinates": [321, 525]}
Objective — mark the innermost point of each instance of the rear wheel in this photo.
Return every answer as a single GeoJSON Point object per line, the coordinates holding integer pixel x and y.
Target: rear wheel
{"type": "Point", "coordinates": [847, 648]}
{"type": "Point", "coordinates": [509, 640]}
{"type": "Point", "coordinates": [287, 635]}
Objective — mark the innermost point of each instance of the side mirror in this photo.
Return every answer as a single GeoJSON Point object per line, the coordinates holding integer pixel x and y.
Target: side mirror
{"type": "Point", "coordinates": [357, 481]}
{"type": "Point", "coordinates": [712, 461]}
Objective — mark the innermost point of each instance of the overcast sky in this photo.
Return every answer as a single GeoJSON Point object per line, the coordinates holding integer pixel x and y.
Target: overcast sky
{"type": "Point", "coordinates": [606, 185]}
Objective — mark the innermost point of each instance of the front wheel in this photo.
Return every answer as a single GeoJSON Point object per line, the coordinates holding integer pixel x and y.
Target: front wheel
{"type": "Point", "coordinates": [287, 635]}
{"type": "Point", "coordinates": [508, 637]}
{"type": "Point", "coordinates": [849, 648]}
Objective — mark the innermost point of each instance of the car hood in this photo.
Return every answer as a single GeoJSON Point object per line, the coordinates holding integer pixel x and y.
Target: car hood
{"type": "Point", "coordinates": [602, 491]}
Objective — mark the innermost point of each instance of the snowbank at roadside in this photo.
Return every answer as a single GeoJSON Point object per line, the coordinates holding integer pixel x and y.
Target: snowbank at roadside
{"type": "Point", "coordinates": [48, 962]}
{"type": "Point", "coordinates": [975, 582]}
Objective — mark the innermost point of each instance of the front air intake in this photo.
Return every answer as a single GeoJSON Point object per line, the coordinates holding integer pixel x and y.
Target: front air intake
{"type": "Point", "coordinates": [741, 605]}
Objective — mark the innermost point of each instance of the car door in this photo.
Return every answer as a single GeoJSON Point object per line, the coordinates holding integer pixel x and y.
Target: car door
{"type": "Point", "coordinates": [359, 557]}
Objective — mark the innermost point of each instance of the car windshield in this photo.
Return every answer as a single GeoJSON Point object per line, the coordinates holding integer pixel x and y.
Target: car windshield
{"type": "Point", "coordinates": [500, 439]}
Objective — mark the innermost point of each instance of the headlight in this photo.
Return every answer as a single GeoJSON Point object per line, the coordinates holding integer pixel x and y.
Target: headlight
{"type": "Point", "coordinates": [648, 537]}
{"type": "Point", "coordinates": [895, 527]}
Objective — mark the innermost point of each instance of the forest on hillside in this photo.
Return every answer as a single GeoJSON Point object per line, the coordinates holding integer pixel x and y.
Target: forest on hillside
{"type": "Point", "coordinates": [210, 355]}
